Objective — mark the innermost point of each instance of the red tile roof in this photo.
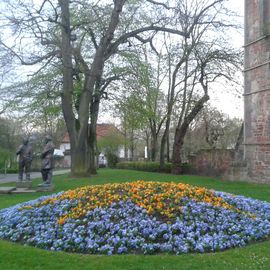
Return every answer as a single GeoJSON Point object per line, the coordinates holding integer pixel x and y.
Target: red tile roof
{"type": "Point", "coordinates": [105, 129]}
{"type": "Point", "coordinates": [102, 131]}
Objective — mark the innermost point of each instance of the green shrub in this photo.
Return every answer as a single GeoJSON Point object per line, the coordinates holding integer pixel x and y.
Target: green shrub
{"type": "Point", "coordinates": [186, 168]}
{"type": "Point", "coordinates": [4, 156]}
{"type": "Point", "coordinates": [112, 159]}
{"type": "Point", "coordinates": [151, 166]}
{"type": "Point", "coordinates": [13, 169]}
{"type": "Point", "coordinates": [141, 166]}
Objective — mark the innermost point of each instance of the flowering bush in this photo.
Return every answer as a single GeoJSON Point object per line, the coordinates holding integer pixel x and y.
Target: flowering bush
{"type": "Point", "coordinates": [137, 217]}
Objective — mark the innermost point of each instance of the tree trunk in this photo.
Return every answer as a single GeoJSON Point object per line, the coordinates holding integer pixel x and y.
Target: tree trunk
{"type": "Point", "coordinates": [170, 102]}
{"type": "Point", "coordinates": [78, 162]}
{"type": "Point", "coordinates": [92, 148]}
{"type": "Point", "coordinates": [78, 143]}
{"type": "Point", "coordinates": [163, 142]}
{"type": "Point", "coordinates": [77, 129]}
{"type": "Point", "coordinates": [162, 151]}
{"type": "Point", "coordinates": [168, 148]}
{"type": "Point", "coordinates": [132, 145]}
{"type": "Point", "coordinates": [153, 147]}
{"type": "Point", "coordinates": [154, 134]}
{"type": "Point", "coordinates": [180, 133]}
{"type": "Point", "coordinates": [82, 136]}
{"type": "Point", "coordinates": [126, 143]}
{"type": "Point", "coordinates": [176, 155]}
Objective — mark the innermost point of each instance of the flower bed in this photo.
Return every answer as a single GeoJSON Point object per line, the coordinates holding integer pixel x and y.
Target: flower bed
{"type": "Point", "coordinates": [137, 217]}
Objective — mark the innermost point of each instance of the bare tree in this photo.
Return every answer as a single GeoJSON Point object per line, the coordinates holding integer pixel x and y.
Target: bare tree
{"type": "Point", "coordinates": [80, 37]}
{"type": "Point", "coordinates": [212, 129]}
{"type": "Point", "coordinates": [200, 60]}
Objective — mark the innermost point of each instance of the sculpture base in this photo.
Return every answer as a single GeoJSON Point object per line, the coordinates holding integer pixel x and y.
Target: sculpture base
{"type": "Point", "coordinates": [23, 191]}
{"type": "Point", "coordinates": [6, 190]}
{"type": "Point", "coordinates": [24, 184]}
{"type": "Point", "coordinates": [44, 188]}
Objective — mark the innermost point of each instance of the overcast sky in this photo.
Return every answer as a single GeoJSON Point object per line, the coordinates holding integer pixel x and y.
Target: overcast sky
{"type": "Point", "coordinates": [225, 100]}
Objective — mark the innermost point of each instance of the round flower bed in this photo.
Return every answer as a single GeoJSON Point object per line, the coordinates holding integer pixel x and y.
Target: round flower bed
{"type": "Point", "coordinates": [137, 217]}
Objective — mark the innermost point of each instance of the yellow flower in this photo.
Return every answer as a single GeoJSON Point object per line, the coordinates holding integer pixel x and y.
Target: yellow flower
{"type": "Point", "coordinates": [161, 198]}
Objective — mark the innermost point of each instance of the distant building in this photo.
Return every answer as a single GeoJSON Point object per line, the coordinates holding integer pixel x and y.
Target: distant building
{"type": "Point", "coordinates": [102, 131]}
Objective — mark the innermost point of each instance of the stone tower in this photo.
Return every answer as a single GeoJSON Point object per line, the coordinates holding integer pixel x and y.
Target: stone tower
{"type": "Point", "coordinates": [257, 91]}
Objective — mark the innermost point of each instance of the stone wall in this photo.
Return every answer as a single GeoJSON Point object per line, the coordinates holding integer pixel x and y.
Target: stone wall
{"type": "Point", "coordinates": [257, 91]}
{"type": "Point", "coordinates": [212, 162]}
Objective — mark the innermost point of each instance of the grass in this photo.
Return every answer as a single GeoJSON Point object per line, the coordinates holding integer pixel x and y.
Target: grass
{"type": "Point", "coordinates": [255, 256]}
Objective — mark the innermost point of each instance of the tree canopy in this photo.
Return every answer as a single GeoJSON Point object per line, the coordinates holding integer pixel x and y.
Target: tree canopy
{"type": "Point", "coordinates": [82, 50]}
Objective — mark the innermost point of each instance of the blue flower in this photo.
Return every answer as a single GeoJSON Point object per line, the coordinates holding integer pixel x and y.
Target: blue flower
{"type": "Point", "coordinates": [124, 227]}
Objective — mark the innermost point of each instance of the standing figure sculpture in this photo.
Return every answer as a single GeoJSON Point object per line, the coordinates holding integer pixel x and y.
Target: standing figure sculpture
{"type": "Point", "coordinates": [47, 161]}
{"type": "Point", "coordinates": [25, 154]}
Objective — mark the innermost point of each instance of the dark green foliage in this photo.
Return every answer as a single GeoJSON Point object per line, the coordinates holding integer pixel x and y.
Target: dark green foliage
{"type": "Point", "coordinates": [9, 170]}
{"type": "Point", "coordinates": [151, 166]}
{"type": "Point", "coordinates": [140, 166]}
{"type": "Point", "coordinates": [112, 159]}
{"type": "Point", "coordinates": [5, 156]}
{"type": "Point", "coordinates": [187, 168]}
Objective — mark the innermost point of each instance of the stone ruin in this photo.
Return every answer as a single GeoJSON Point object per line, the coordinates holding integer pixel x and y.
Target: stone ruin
{"type": "Point", "coordinates": [252, 160]}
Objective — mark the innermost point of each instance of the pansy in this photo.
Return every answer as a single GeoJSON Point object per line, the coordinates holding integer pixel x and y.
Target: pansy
{"type": "Point", "coordinates": [137, 217]}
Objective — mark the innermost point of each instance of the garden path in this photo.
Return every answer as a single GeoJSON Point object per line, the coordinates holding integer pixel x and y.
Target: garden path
{"type": "Point", "coordinates": [8, 178]}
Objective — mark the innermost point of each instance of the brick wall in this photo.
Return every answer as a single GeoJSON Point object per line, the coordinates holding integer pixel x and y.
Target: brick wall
{"type": "Point", "coordinates": [257, 90]}
{"type": "Point", "coordinates": [212, 162]}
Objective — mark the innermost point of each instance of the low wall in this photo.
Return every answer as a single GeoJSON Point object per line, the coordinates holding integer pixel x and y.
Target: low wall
{"type": "Point", "coordinates": [212, 162]}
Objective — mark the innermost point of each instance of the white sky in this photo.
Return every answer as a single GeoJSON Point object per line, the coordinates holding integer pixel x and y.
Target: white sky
{"type": "Point", "coordinates": [225, 98]}
{"type": "Point", "coordinates": [225, 101]}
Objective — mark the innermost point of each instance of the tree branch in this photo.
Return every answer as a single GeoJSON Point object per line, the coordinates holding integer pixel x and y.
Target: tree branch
{"type": "Point", "coordinates": [41, 7]}
{"type": "Point", "coordinates": [150, 40]}
{"type": "Point", "coordinates": [113, 47]}
{"type": "Point", "coordinates": [197, 17]}
{"type": "Point", "coordinates": [159, 4]}
{"type": "Point", "coordinates": [85, 66]}
{"type": "Point", "coordinates": [93, 38]}
{"type": "Point", "coordinates": [108, 81]}
{"type": "Point", "coordinates": [161, 123]}
{"type": "Point", "coordinates": [36, 61]}
{"type": "Point", "coordinates": [2, 111]}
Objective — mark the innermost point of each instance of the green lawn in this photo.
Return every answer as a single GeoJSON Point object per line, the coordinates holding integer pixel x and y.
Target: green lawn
{"type": "Point", "coordinates": [255, 256]}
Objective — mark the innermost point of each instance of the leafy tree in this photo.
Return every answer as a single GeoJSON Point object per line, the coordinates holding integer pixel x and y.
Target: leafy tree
{"type": "Point", "coordinates": [143, 106]}
{"type": "Point", "coordinates": [81, 38]}
{"type": "Point", "coordinates": [37, 104]}
{"type": "Point", "coordinates": [132, 121]}
{"type": "Point", "coordinates": [110, 144]}
{"type": "Point", "coordinates": [10, 138]}
{"type": "Point", "coordinates": [86, 40]}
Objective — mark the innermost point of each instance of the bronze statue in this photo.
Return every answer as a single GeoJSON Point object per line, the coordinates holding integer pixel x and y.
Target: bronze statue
{"type": "Point", "coordinates": [25, 154]}
{"type": "Point", "coordinates": [47, 161]}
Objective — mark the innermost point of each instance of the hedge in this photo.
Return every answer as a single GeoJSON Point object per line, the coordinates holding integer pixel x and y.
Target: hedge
{"type": "Point", "coordinates": [151, 166]}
